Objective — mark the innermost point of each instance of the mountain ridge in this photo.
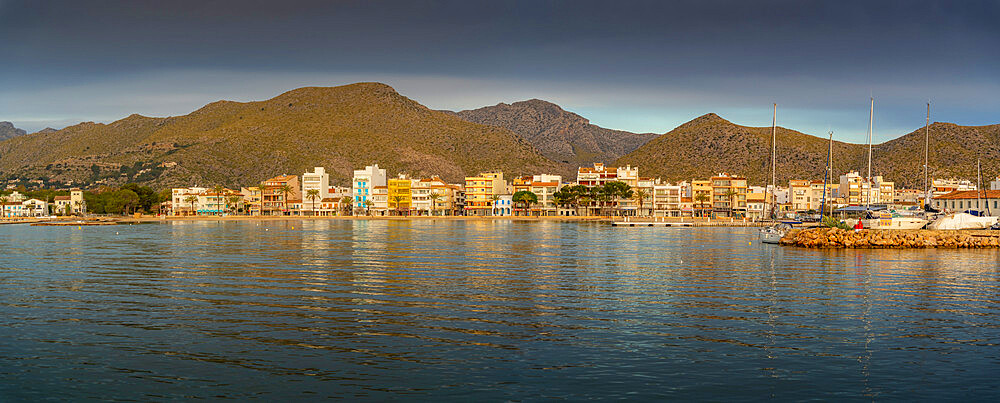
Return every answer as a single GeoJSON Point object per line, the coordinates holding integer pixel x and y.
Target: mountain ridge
{"type": "Point", "coordinates": [239, 143]}
{"type": "Point", "coordinates": [560, 135]}
{"type": "Point", "coordinates": [710, 144]}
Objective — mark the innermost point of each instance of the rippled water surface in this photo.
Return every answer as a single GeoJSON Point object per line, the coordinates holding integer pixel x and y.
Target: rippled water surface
{"type": "Point", "coordinates": [376, 310]}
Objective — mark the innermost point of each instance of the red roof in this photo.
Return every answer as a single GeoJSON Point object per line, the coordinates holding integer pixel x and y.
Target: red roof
{"type": "Point", "coordinates": [970, 194]}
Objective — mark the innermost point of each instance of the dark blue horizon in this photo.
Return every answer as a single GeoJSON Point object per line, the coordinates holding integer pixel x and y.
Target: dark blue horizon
{"type": "Point", "coordinates": [637, 66]}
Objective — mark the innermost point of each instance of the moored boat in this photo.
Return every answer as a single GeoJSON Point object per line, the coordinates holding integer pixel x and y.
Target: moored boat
{"type": "Point", "coordinates": [774, 233]}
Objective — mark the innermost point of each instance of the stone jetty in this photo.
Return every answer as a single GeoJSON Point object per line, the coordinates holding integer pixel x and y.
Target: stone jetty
{"type": "Point", "coordinates": [890, 239]}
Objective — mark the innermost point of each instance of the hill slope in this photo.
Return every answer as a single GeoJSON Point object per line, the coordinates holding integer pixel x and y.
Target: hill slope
{"type": "Point", "coordinates": [233, 143]}
{"type": "Point", "coordinates": [7, 131]}
{"type": "Point", "coordinates": [710, 144]}
{"type": "Point", "coordinates": [562, 136]}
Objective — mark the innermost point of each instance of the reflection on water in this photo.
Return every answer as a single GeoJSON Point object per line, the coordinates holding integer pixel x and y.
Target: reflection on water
{"type": "Point", "coordinates": [484, 310]}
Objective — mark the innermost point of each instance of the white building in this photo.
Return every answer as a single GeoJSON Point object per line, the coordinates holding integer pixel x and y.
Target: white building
{"type": "Point", "coordinates": [319, 181]}
{"type": "Point", "coordinates": [364, 183]}
{"type": "Point", "coordinates": [503, 206]}
{"type": "Point", "coordinates": [72, 204]}
{"type": "Point", "coordinates": [24, 208]}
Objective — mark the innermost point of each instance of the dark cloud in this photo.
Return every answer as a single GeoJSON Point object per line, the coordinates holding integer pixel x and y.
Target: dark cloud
{"type": "Point", "coordinates": [776, 50]}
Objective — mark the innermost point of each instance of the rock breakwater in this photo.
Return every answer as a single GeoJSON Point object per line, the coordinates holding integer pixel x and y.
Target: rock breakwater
{"type": "Point", "coordinates": [899, 239]}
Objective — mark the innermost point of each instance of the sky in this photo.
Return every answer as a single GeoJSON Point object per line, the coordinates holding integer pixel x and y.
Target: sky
{"type": "Point", "coordinates": [641, 66]}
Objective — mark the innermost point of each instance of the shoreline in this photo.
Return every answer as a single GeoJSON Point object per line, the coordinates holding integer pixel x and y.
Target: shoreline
{"type": "Point", "coordinates": [639, 222]}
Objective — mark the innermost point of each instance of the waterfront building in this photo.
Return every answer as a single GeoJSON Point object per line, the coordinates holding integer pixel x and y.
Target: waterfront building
{"type": "Point", "coordinates": [202, 201]}
{"type": "Point", "coordinates": [908, 197]}
{"type": "Point", "coordinates": [503, 206]}
{"type": "Point", "coordinates": [276, 200]}
{"type": "Point", "coordinates": [543, 186]}
{"type": "Point", "coordinates": [666, 199]}
{"type": "Point", "coordinates": [318, 181]}
{"type": "Point", "coordinates": [701, 194]}
{"type": "Point", "coordinates": [72, 204]}
{"type": "Point", "coordinates": [364, 183]}
{"type": "Point", "coordinates": [252, 198]}
{"type": "Point", "coordinates": [379, 200]}
{"type": "Point", "coordinates": [24, 208]}
{"type": "Point", "coordinates": [941, 187]}
{"type": "Point", "coordinates": [729, 195]}
{"type": "Point", "coordinates": [995, 184]}
{"type": "Point", "coordinates": [857, 190]}
{"type": "Point", "coordinates": [962, 200]}
{"type": "Point", "coordinates": [799, 194]}
{"type": "Point", "coordinates": [481, 192]}
{"type": "Point", "coordinates": [755, 203]}
{"type": "Point", "coordinates": [597, 175]}
{"type": "Point", "coordinates": [400, 199]}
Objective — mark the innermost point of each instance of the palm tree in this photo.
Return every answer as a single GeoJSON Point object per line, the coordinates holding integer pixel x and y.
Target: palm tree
{"type": "Point", "coordinates": [285, 190]}
{"type": "Point", "coordinates": [525, 199]}
{"type": "Point", "coordinates": [640, 196]}
{"type": "Point", "coordinates": [398, 200]}
{"type": "Point", "coordinates": [701, 198]}
{"type": "Point", "coordinates": [261, 186]}
{"type": "Point", "coordinates": [233, 201]}
{"type": "Point", "coordinates": [3, 200]}
{"type": "Point", "coordinates": [493, 204]}
{"type": "Point", "coordinates": [313, 194]}
{"type": "Point", "coordinates": [218, 197]}
{"type": "Point", "coordinates": [434, 200]}
{"type": "Point", "coordinates": [368, 207]}
{"type": "Point", "coordinates": [346, 204]}
{"type": "Point", "coordinates": [192, 199]}
{"type": "Point", "coordinates": [731, 195]}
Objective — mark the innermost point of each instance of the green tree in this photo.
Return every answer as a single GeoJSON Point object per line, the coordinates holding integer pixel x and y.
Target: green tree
{"type": "Point", "coordinates": [493, 204]}
{"type": "Point", "coordinates": [702, 198]}
{"type": "Point", "coordinates": [731, 195]}
{"type": "Point", "coordinates": [434, 199]}
{"type": "Point", "coordinates": [234, 200]}
{"type": "Point", "coordinates": [312, 195]}
{"type": "Point", "coordinates": [368, 207]}
{"type": "Point", "coordinates": [398, 200]}
{"type": "Point", "coordinates": [525, 199]}
{"type": "Point", "coordinates": [640, 197]}
{"type": "Point", "coordinates": [285, 189]}
{"type": "Point", "coordinates": [347, 204]}
{"type": "Point", "coordinates": [192, 199]}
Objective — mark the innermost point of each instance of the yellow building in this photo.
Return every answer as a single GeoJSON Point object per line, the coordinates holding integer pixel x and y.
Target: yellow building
{"type": "Point", "coordinates": [400, 195]}
{"type": "Point", "coordinates": [725, 203]}
{"type": "Point", "coordinates": [480, 191]}
{"type": "Point", "coordinates": [701, 188]}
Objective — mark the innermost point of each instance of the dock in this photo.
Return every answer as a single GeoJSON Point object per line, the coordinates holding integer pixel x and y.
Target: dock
{"type": "Point", "coordinates": [650, 224]}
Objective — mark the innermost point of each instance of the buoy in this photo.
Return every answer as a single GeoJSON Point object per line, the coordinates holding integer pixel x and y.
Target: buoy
{"type": "Point", "coordinates": [116, 232]}
{"type": "Point", "coordinates": [265, 229]}
{"type": "Point", "coordinates": [79, 227]}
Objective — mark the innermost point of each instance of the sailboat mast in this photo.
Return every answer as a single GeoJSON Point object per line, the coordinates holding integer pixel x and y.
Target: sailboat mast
{"type": "Point", "coordinates": [927, 137]}
{"type": "Point", "coordinates": [774, 137]}
{"type": "Point", "coordinates": [774, 148]}
{"type": "Point", "coordinates": [828, 176]}
{"type": "Point", "coordinates": [871, 118]}
{"type": "Point", "coordinates": [979, 183]}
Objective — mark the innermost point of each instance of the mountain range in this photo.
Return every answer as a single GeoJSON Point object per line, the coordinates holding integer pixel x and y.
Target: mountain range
{"type": "Point", "coordinates": [7, 131]}
{"type": "Point", "coordinates": [564, 137]}
{"type": "Point", "coordinates": [710, 144]}
{"type": "Point", "coordinates": [347, 127]}
{"type": "Point", "coordinates": [241, 143]}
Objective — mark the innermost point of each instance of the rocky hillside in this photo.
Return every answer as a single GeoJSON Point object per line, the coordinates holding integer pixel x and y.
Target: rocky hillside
{"type": "Point", "coordinates": [234, 143]}
{"type": "Point", "coordinates": [7, 131]}
{"type": "Point", "coordinates": [710, 144]}
{"type": "Point", "coordinates": [562, 136]}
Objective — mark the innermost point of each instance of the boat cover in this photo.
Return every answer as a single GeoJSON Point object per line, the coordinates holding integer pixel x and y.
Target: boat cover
{"type": "Point", "coordinates": [962, 221]}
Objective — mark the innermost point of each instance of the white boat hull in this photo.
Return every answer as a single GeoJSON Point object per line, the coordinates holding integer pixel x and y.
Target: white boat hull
{"type": "Point", "coordinates": [895, 223]}
{"type": "Point", "coordinates": [771, 236]}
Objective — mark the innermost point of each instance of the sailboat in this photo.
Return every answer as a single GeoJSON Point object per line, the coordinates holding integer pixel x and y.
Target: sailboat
{"type": "Point", "coordinates": [774, 233]}
{"type": "Point", "coordinates": [886, 219]}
